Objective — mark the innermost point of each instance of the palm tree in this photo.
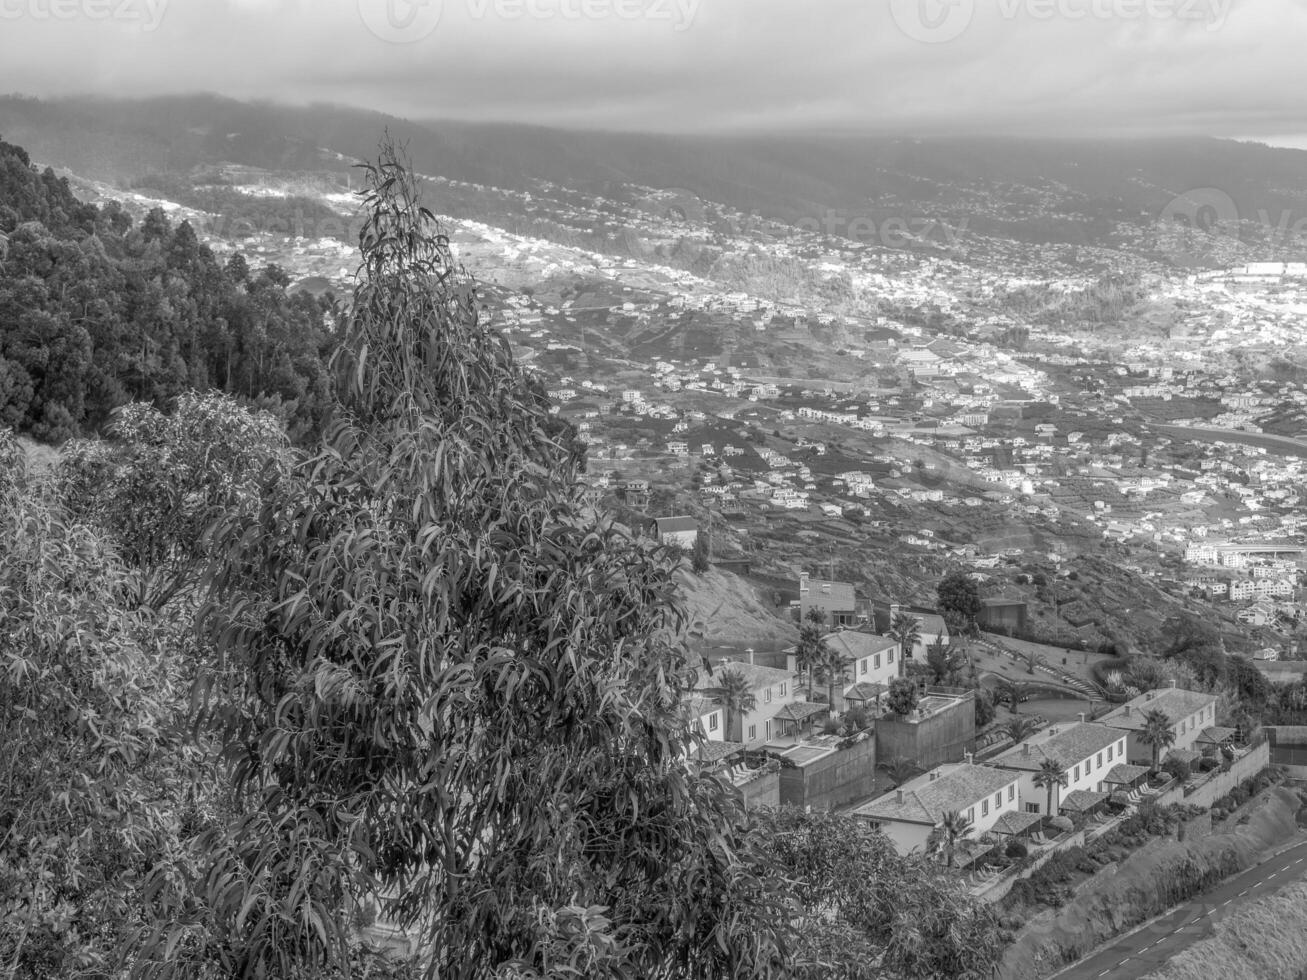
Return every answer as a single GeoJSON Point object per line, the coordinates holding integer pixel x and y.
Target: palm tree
{"type": "Point", "coordinates": [899, 770]}
{"type": "Point", "coordinates": [1051, 774]}
{"type": "Point", "coordinates": [1157, 733]}
{"type": "Point", "coordinates": [1020, 729]}
{"type": "Point", "coordinates": [1010, 693]}
{"type": "Point", "coordinates": [736, 697]}
{"type": "Point", "coordinates": [809, 651]}
{"type": "Point", "coordinates": [942, 661]}
{"type": "Point", "coordinates": [906, 628]}
{"type": "Point", "coordinates": [948, 835]}
{"type": "Point", "coordinates": [832, 667]}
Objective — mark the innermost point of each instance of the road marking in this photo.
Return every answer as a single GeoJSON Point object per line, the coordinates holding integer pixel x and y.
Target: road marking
{"type": "Point", "coordinates": [1272, 875]}
{"type": "Point", "coordinates": [1213, 911]}
{"type": "Point", "coordinates": [1243, 893]}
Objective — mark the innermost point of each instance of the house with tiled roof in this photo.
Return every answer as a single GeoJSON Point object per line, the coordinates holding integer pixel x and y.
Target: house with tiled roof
{"type": "Point", "coordinates": [1084, 751]}
{"type": "Point", "coordinates": [1190, 714]}
{"type": "Point", "coordinates": [982, 794]}
{"type": "Point", "coordinates": [873, 660]}
{"type": "Point", "coordinates": [772, 690]}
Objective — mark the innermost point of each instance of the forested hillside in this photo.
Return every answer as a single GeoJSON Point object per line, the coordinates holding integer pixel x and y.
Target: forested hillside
{"type": "Point", "coordinates": [95, 313]}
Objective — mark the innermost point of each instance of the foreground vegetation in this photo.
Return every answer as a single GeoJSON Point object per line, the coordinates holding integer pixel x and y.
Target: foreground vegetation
{"type": "Point", "coordinates": [252, 694]}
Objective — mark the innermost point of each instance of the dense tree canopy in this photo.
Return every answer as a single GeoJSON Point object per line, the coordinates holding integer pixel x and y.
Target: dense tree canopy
{"type": "Point", "coordinates": [95, 313]}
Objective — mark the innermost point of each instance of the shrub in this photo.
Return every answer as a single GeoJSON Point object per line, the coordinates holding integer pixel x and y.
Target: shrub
{"type": "Point", "coordinates": [1178, 768]}
{"type": "Point", "coordinates": [1061, 824]}
{"type": "Point", "coordinates": [1207, 764]}
{"type": "Point", "coordinates": [1017, 849]}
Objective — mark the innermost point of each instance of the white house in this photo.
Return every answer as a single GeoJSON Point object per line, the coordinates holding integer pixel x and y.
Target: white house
{"type": "Point", "coordinates": [772, 690]}
{"type": "Point", "coordinates": [682, 531]}
{"type": "Point", "coordinates": [709, 718]}
{"type": "Point", "coordinates": [1085, 753]}
{"type": "Point", "coordinates": [873, 661]}
{"type": "Point", "coordinates": [982, 794]}
{"type": "Point", "coordinates": [1189, 712]}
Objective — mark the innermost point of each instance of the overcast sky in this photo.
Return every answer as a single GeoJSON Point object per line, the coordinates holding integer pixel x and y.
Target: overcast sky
{"type": "Point", "coordinates": [1232, 68]}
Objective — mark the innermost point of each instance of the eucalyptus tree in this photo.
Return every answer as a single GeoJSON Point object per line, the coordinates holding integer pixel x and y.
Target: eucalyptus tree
{"type": "Point", "coordinates": [440, 685]}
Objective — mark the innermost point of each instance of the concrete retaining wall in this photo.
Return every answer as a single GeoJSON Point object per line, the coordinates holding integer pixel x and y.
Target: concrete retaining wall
{"type": "Point", "coordinates": [839, 778]}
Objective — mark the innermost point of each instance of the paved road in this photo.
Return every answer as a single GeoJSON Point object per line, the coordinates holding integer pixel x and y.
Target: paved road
{"type": "Point", "coordinates": [1149, 948]}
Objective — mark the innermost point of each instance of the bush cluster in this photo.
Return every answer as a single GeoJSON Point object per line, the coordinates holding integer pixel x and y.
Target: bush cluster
{"type": "Point", "coordinates": [1051, 885]}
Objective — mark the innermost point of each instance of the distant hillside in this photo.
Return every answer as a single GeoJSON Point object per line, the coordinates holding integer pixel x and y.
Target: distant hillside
{"type": "Point", "coordinates": [1051, 190]}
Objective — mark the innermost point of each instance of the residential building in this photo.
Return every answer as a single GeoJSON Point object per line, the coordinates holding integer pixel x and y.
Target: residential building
{"type": "Point", "coordinates": [836, 600]}
{"type": "Point", "coordinates": [708, 716]}
{"type": "Point", "coordinates": [874, 661]}
{"type": "Point", "coordinates": [1085, 751]}
{"type": "Point", "coordinates": [930, 624]}
{"type": "Point", "coordinates": [680, 531]}
{"type": "Point", "coordinates": [982, 794]}
{"type": "Point", "coordinates": [772, 690]}
{"type": "Point", "coordinates": [1189, 712]}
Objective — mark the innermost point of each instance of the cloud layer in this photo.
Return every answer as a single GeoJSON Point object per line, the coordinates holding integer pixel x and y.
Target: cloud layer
{"type": "Point", "coordinates": [1057, 67]}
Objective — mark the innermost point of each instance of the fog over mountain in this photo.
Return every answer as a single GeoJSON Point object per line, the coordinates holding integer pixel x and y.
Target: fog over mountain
{"type": "Point", "coordinates": [1230, 68]}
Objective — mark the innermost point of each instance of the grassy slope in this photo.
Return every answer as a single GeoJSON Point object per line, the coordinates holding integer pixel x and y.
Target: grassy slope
{"type": "Point", "coordinates": [730, 609]}
{"type": "Point", "coordinates": [1115, 901]}
{"type": "Point", "coordinates": [1263, 941]}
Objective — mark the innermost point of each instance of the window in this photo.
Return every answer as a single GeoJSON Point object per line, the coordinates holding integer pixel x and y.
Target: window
{"type": "Point", "coordinates": [889, 656]}
{"type": "Point", "coordinates": [998, 799]}
{"type": "Point", "coordinates": [878, 661]}
{"type": "Point", "coordinates": [1032, 808]}
{"type": "Point", "coordinates": [753, 732]}
{"type": "Point", "coordinates": [712, 722]}
{"type": "Point", "coordinates": [1011, 792]}
{"type": "Point", "coordinates": [862, 666]}
{"type": "Point", "coordinates": [767, 729]}
{"type": "Point", "coordinates": [971, 814]}
{"type": "Point", "coordinates": [984, 807]}
{"type": "Point", "coordinates": [767, 697]}
{"type": "Point", "coordinates": [1076, 778]}
{"type": "Point", "coordinates": [1109, 753]}
{"type": "Point", "coordinates": [782, 690]}
{"type": "Point", "coordinates": [1100, 760]}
